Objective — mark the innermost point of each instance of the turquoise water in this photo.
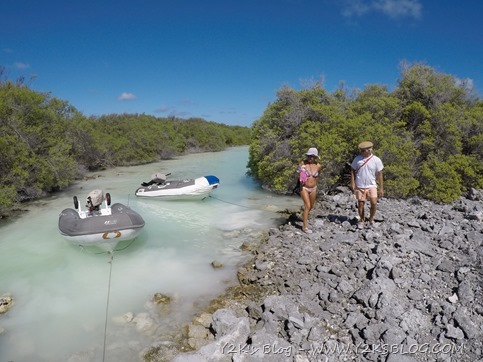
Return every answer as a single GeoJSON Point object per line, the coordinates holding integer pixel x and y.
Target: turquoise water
{"type": "Point", "coordinates": [64, 293]}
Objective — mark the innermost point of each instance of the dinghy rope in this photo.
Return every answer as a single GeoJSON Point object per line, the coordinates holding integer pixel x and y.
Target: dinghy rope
{"type": "Point", "coordinates": [88, 251]}
{"type": "Point", "coordinates": [107, 304]}
{"type": "Point", "coordinates": [246, 207]}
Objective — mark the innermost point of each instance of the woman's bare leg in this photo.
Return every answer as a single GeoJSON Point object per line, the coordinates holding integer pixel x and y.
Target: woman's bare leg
{"type": "Point", "coordinates": [307, 206]}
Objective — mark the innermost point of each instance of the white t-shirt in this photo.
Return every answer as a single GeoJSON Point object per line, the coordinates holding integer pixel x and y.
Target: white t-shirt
{"type": "Point", "coordinates": [366, 175]}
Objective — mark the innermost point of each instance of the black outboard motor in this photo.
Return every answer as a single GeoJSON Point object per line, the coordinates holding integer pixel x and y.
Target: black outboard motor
{"type": "Point", "coordinates": [157, 178]}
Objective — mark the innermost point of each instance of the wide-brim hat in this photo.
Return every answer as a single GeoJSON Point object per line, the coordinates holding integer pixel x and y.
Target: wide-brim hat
{"type": "Point", "coordinates": [313, 152]}
{"type": "Point", "coordinates": [365, 144]}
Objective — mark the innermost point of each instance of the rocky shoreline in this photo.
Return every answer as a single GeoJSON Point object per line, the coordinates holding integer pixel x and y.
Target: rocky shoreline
{"type": "Point", "coordinates": [408, 289]}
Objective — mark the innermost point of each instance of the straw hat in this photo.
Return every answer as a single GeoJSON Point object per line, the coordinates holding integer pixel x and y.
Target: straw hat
{"type": "Point", "coordinates": [365, 144]}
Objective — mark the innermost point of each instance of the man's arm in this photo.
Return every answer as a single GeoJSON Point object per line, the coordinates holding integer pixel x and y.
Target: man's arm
{"type": "Point", "coordinates": [380, 180]}
{"type": "Point", "coordinates": [353, 180]}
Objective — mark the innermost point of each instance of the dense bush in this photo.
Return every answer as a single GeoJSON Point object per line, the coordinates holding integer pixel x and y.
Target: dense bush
{"type": "Point", "coordinates": [428, 132]}
{"type": "Point", "coordinates": [34, 155]}
{"type": "Point", "coordinates": [45, 143]}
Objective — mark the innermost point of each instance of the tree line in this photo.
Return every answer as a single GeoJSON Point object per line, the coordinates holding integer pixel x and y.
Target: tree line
{"type": "Point", "coordinates": [428, 132]}
{"type": "Point", "coordinates": [46, 144]}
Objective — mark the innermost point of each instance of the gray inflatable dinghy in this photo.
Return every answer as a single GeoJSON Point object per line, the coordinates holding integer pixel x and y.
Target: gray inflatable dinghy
{"type": "Point", "coordinates": [100, 224]}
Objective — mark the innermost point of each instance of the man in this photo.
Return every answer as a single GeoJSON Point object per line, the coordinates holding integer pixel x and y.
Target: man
{"type": "Point", "coordinates": [366, 174]}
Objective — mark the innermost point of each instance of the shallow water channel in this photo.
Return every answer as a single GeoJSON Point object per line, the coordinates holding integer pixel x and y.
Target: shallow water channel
{"type": "Point", "coordinates": [69, 300]}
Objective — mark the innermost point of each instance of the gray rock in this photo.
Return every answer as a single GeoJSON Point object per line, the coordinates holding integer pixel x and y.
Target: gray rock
{"type": "Point", "coordinates": [266, 347]}
{"type": "Point", "coordinates": [454, 332]}
{"type": "Point", "coordinates": [226, 322]}
{"type": "Point", "coordinates": [465, 291]}
{"type": "Point", "coordinates": [369, 294]}
{"type": "Point", "coordinates": [446, 266]}
{"type": "Point", "coordinates": [298, 323]}
{"type": "Point", "coordinates": [345, 287]}
{"type": "Point", "coordinates": [415, 320]}
{"type": "Point", "coordinates": [394, 336]}
{"type": "Point", "coordinates": [453, 299]}
{"type": "Point", "coordinates": [231, 332]}
{"type": "Point", "coordinates": [278, 305]}
{"type": "Point", "coordinates": [464, 321]}
{"type": "Point", "coordinates": [6, 302]}
{"type": "Point", "coordinates": [446, 230]}
{"type": "Point", "coordinates": [373, 332]}
{"type": "Point", "coordinates": [355, 319]}
{"type": "Point", "coordinates": [400, 358]}
{"type": "Point", "coordinates": [415, 279]}
{"type": "Point", "coordinates": [415, 294]}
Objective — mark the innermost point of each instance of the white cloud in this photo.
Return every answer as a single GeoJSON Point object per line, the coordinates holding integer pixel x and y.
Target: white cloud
{"type": "Point", "coordinates": [125, 96]}
{"type": "Point", "coordinates": [391, 8]}
{"type": "Point", "coordinates": [19, 65]}
{"type": "Point", "coordinates": [399, 8]}
{"type": "Point", "coordinates": [355, 8]}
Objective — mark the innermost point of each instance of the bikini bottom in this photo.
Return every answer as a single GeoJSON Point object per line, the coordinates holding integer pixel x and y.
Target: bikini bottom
{"type": "Point", "coordinates": [310, 189]}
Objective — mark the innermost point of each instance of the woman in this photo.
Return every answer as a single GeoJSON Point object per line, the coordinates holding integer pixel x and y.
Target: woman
{"type": "Point", "coordinates": [309, 170]}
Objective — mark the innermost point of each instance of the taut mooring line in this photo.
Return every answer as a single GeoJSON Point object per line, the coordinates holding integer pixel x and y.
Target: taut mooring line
{"type": "Point", "coordinates": [107, 304]}
{"type": "Point", "coordinates": [239, 205]}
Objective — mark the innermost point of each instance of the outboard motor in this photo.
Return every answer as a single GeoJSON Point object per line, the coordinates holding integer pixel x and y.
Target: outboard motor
{"type": "Point", "coordinates": [94, 200]}
{"type": "Point", "coordinates": [157, 178]}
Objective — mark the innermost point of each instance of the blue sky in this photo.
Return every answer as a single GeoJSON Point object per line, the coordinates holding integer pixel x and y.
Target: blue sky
{"type": "Point", "coordinates": [224, 60]}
